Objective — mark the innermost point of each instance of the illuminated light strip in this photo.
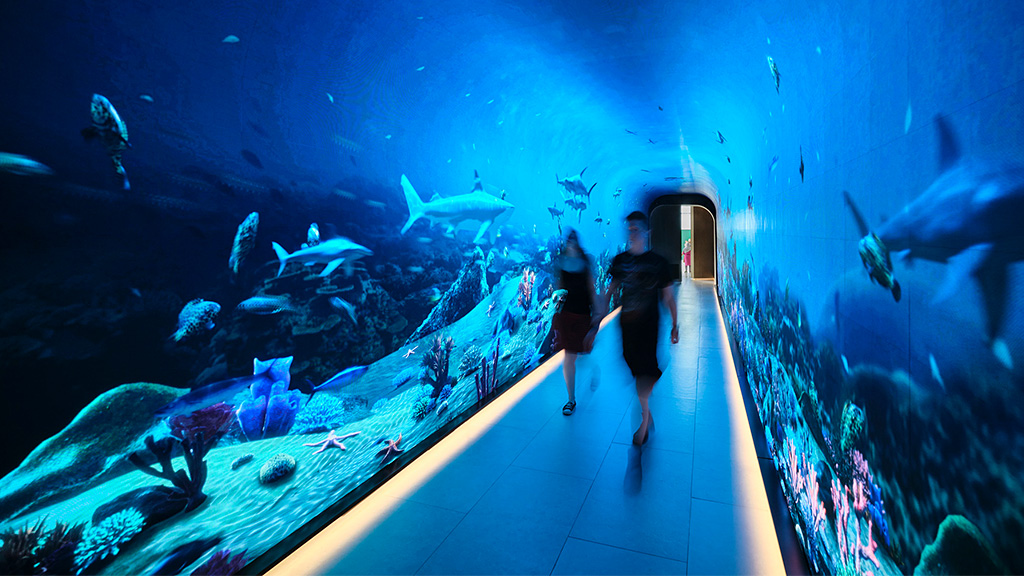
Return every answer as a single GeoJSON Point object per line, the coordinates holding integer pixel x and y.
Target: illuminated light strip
{"type": "Point", "coordinates": [754, 518]}
{"type": "Point", "coordinates": [324, 550]}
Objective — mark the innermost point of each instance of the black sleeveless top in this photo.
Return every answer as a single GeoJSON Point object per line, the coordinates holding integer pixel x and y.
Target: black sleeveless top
{"type": "Point", "coordinates": [578, 299]}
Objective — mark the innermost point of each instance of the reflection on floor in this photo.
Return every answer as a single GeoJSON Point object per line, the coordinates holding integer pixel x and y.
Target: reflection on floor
{"type": "Point", "coordinates": [530, 491]}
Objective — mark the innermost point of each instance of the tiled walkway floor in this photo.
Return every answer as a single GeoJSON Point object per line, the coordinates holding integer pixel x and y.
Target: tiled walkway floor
{"type": "Point", "coordinates": [541, 493]}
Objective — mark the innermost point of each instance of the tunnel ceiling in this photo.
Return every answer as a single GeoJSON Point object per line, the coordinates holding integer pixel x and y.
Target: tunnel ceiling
{"type": "Point", "coordinates": [520, 91]}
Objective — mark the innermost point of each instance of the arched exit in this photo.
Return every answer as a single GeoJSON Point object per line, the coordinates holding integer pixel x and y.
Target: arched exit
{"type": "Point", "coordinates": [666, 228]}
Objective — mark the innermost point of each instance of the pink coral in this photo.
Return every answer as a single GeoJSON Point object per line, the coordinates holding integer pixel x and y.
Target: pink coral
{"type": "Point", "coordinates": [867, 550]}
{"type": "Point", "coordinates": [525, 297]}
{"type": "Point", "coordinates": [842, 515]}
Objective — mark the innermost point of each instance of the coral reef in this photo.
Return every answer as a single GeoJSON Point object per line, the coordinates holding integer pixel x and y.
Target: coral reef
{"type": "Point", "coordinates": [222, 563]}
{"type": "Point", "coordinates": [208, 423]}
{"type": "Point", "coordinates": [487, 379]}
{"type": "Point", "coordinates": [271, 410]}
{"type": "Point", "coordinates": [276, 469]}
{"type": "Point", "coordinates": [959, 548]}
{"type": "Point", "coordinates": [106, 538]}
{"type": "Point", "coordinates": [524, 297]}
{"type": "Point", "coordinates": [323, 412]}
{"type": "Point", "coordinates": [415, 373]}
{"type": "Point", "coordinates": [187, 487]}
{"type": "Point", "coordinates": [469, 289]}
{"type": "Point", "coordinates": [470, 360]}
{"type": "Point", "coordinates": [436, 361]}
{"type": "Point", "coordinates": [34, 550]}
{"type": "Point", "coordinates": [80, 455]}
{"type": "Point", "coordinates": [423, 406]}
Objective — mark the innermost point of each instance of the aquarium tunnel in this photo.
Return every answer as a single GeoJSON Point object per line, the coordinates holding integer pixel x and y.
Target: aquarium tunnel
{"type": "Point", "coordinates": [284, 287]}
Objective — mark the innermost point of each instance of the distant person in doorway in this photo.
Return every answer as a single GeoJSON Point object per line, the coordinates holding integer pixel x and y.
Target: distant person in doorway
{"type": "Point", "coordinates": [687, 251]}
{"type": "Point", "coordinates": [577, 322]}
{"type": "Point", "coordinates": [644, 277]}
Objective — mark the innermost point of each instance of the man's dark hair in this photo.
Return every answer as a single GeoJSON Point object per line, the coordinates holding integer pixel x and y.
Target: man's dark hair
{"type": "Point", "coordinates": [638, 216]}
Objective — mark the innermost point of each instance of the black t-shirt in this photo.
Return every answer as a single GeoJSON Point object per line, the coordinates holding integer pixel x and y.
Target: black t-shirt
{"type": "Point", "coordinates": [578, 299]}
{"type": "Point", "coordinates": [641, 278]}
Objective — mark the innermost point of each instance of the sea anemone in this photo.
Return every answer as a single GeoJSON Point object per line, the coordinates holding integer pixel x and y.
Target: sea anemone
{"type": "Point", "coordinates": [106, 538]}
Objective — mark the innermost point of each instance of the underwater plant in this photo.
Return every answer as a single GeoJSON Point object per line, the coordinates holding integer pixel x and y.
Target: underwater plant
{"type": "Point", "coordinates": [470, 359]}
{"type": "Point", "coordinates": [487, 379]}
{"type": "Point", "coordinates": [210, 422]}
{"type": "Point", "coordinates": [106, 538]}
{"type": "Point", "coordinates": [222, 563]}
{"type": "Point", "coordinates": [524, 296]}
{"type": "Point", "coordinates": [34, 550]}
{"type": "Point", "coordinates": [271, 410]}
{"type": "Point", "coordinates": [423, 406]}
{"type": "Point", "coordinates": [187, 487]}
{"type": "Point", "coordinates": [320, 414]}
{"type": "Point", "coordinates": [436, 360]}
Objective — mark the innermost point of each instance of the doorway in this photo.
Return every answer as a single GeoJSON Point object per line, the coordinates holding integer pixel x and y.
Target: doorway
{"type": "Point", "coordinates": [670, 229]}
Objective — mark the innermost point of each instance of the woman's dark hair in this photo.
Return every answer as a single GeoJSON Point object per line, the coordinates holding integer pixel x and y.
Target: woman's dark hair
{"type": "Point", "coordinates": [575, 235]}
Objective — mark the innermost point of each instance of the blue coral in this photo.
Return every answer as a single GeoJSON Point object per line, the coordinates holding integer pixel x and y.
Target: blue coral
{"type": "Point", "coordinates": [106, 538]}
{"type": "Point", "coordinates": [423, 406]}
{"type": "Point", "coordinates": [272, 407]}
{"type": "Point", "coordinates": [324, 412]}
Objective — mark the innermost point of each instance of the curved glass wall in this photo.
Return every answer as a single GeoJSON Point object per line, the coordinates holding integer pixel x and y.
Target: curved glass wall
{"type": "Point", "coordinates": [256, 259]}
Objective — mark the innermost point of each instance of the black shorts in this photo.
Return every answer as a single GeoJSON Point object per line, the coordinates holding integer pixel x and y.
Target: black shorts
{"type": "Point", "coordinates": [640, 348]}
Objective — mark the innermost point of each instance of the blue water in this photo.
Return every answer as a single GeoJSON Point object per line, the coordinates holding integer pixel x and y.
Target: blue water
{"type": "Point", "coordinates": [314, 113]}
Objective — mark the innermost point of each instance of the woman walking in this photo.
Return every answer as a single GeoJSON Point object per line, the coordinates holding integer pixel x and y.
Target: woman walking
{"type": "Point", "coordinates": [577, 323]}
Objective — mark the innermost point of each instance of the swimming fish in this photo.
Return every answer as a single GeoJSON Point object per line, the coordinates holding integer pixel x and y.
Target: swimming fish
{"type": "Point", "coordinates": [574, 185]}
{"type": "Point", "coordinates": [343, 378]}
{"type": "Point", "coordinates": [252, 158]}
{"type": "Point", "coordinates": [555, 212]}
{"type": "Point", "coordinates": [721, 139]}
{"type": "Point", "coordinates": [196, 316]}
{"type": "Point", "coordinates": [775, 72]}
{"type": "Point", "coordinates": [775, 162]}
{"type": "Point", "coordinates": [245, 239]}
{"type": "Point", "coordinates": [935, 370]}
{"type": "Point", "coordinates": [341, 304]}
{"type": "Point", "coordinates": [230, 39]}
{"type": "Point", "coordinates": [453, 211]}
{"type": "Point", "coordinates": [334, 252]}
{"type": "Point", "coordinates": [263, 371]}
{"type": "Point", "coordinates": [22, 165]}
{"type": "Point", "coordinates": [414, 269]}
{"type": "Point", "coordinates": [265, 305]}
{"type": "Point", "coordinates": [312, 235]}
{"type": "Point", "coordinates": [801, 163]}
{"type": "Point", "coordinates": [111, 131]}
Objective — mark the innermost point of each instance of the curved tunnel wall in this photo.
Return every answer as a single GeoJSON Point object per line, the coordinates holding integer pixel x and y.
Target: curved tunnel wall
{"type": "Point", "coordinates": [888, 432]}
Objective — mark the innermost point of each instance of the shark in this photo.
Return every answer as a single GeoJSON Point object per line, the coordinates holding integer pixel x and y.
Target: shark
{"type": "Point", "coordinates": [475, 206]}
{"type": "Point", "coordinates": [339, 251]}
{"type": "Point", "coordinates": [969, 219]}
{"type": "Point", "coordinates": [574, 185]}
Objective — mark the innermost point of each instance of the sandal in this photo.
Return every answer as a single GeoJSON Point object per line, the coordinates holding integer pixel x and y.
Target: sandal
{"type": "Point", "coordinates": [569, 408]}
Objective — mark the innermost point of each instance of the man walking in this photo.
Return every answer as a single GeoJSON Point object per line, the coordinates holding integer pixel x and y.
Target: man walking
{"type": "Point", "coordinates": [644, 277]}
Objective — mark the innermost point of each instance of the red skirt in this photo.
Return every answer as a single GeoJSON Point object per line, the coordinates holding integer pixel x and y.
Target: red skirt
{"type": "Point", "coordinates": [570, 330]}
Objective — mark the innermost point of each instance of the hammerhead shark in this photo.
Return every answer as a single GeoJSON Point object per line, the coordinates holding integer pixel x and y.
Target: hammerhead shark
{"type": "Point", "coordinates": [968, 218]}
{"type": "Point", "coordinates": [477, 206]}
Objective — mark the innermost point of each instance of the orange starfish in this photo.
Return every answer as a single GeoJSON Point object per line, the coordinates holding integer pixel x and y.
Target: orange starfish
{"type": "Point", "coordinates": [391, 449]}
